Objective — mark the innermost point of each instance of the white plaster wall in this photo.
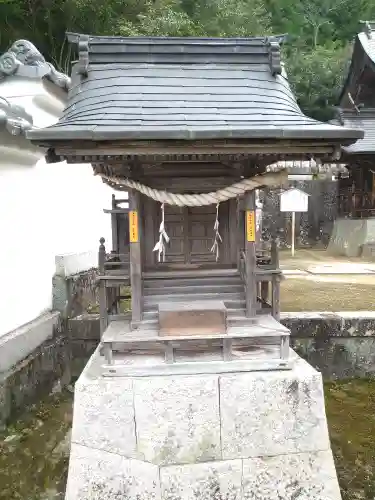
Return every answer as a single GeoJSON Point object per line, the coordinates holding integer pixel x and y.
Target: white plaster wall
{"type": "Point", "coordinates": [45, 210]}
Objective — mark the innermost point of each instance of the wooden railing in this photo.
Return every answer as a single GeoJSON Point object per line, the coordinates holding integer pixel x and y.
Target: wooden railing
{"type": "Point", "coordinates": [267, 276]}
{"type": "Point", "coordinates": [242, 266]}
{"type": "Point", "coordinates": [114, 275]}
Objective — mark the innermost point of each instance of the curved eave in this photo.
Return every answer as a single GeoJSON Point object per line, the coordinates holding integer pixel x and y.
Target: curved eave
{"type": "Point", "coordinates": [310, 132]}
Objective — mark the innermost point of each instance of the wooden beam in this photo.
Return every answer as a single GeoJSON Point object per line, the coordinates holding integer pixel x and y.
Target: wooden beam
{"type": "Point", "coordinates": [250, 228]}
{"type": "Point", "coordinates": [135, 256]}
{"type": "Point", "coordinates": [93, 152]}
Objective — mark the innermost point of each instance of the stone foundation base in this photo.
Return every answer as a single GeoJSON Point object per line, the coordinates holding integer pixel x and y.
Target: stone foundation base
{"type": "Point", "coordinates": [253, 436]}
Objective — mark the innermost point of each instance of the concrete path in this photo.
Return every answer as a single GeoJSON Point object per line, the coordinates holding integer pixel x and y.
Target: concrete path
{"type": "Point", "coordinates": [317, 264]}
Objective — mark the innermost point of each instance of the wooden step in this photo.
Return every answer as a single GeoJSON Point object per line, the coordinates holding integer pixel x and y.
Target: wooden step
{"type": "Point", "coordinates": [192, 290]}
{"type": "Point", "coordinates": [152, 315]}
{"type": "Point", "coordinates": [229, 303]}
{"type": "Point", "coordinates": [118, 338]}
{"type": "Point", "coordinates": [156, 299]}
{"type": "Point", "coordinates": [235, 318]}
{"type": "Point", "coordinates": [212, 280]}
{"type": "Point", "coordinates": [191, 273]}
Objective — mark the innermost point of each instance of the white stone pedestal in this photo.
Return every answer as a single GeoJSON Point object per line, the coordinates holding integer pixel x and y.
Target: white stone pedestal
{"type": "Point", "coordinates": [238, 436]}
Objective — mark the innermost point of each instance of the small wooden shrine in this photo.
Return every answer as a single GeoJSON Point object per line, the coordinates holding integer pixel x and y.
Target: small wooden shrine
{"type": "Point", "coordinates": [357, 109]}
{"type": "Point", "coordinates": [187, 126]}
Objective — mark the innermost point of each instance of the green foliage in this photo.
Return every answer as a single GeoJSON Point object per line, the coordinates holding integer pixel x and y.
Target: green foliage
{"type": "Point", "coordinates": [320, 31]}
{"type": "Point", "coordinates": [317, 77]}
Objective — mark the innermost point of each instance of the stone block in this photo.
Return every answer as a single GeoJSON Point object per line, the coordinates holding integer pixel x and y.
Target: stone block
{"type": "Point", "coordinates": [99, 475]}
{"type": "Point", "coordinates": [312, 324]}
{"type": "Point", "coordinates": [190, 318]}
{"type": "Point", "coordinates": [5, 402]}
{"type": "Point", "coordinates": [358, 323]}
{"type": "Point", "coordinates": [104, 415]}
{"type": "Point", "coordinates": [177, 419]}
{"type": "Point", "coordinates": [272, 413]}
{"type": "Point", "coordinates": [339, 357]}
{"type": "Point", "coordinates": [302, 476]}
{"type": "Point", "coordinates": [70, 264]}
{"type": "Point", "coordinates": [20, 343]}
{"type": "Point", "coordinates": [208, 481]}
{"type": "Point", "coordinates": [85, 326]}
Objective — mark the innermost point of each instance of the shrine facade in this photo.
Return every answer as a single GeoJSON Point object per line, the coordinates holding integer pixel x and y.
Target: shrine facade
{"type": "Point", "coordinates": [187, 127]}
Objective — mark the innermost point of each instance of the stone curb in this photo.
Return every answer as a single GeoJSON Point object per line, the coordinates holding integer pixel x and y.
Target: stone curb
{"type": "Point", "coordinates": [301, 324]}
{"type": "Point", "coordinates": [330, 324]}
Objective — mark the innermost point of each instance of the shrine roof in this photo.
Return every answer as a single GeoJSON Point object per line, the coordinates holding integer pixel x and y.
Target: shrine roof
{"type": "Point", "coordinates": [363, 119]}
{"type": "Point", "coordinates": [363, 57]}
{"type": "Point", "coordinates": [183, 88]}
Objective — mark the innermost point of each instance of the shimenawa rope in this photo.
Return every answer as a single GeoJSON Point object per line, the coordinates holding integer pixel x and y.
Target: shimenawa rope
{"type": "Point", "coordinates": [267, 179]}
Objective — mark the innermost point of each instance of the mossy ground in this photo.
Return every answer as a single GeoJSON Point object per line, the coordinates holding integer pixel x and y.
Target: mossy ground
{"type": "Point", "coordinates": [34, 451]}
{"type": "Point", "coordinates": [325, 292]}
{"type": "Point", "coordinates": [307, 295]}
{"type": "Point", "coordinates": [351, 417]}
{"type": "Point", "coordinates": [34, 460]}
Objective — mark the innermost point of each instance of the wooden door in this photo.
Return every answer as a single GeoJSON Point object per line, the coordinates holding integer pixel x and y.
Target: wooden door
{"type": "Point", "coordinates": [191, 233]}
{"type": "Point", "coordinates": [201, 233]}
{"type": "Point", "coordinates": [176, 228]}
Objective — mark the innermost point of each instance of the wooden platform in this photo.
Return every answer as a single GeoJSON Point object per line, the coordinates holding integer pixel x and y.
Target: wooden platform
{"type": "Point", "coordinates": [263, 333]}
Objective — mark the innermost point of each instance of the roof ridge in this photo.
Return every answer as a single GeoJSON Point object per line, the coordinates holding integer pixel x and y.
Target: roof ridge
{"type": "Point", "coordinates": [75, 38]}
{"type": "Point", "coordinates": [177, 50]}
{"type": "Point", "coordinates": [24, 59]}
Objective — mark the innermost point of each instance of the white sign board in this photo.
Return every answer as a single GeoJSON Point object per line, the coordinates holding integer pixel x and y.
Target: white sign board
{"type": "Point", "coordinates": [294, 200]}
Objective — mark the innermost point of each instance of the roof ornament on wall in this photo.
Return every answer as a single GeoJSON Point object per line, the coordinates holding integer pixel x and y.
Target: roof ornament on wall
{"type": "Point", "coordinates": [14, 118]}
{"type": "Point", "coordinates": [24, 59]}
{"type": "Point", "coordinates": [274, 55]}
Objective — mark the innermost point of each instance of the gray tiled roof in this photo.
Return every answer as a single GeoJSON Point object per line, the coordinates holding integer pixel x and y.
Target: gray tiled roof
{"type": "Point", "coordinates": [184, 88]}
{"type": "Point", "coordinates": [364, 120]}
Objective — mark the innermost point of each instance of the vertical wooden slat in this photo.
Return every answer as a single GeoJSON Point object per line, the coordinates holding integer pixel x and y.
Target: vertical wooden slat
{"type": "Point", "coordinates": [233, 242]}
{"type": "Point", "coordinates": [149, 213]}
{"type": "Point", "coordinates": [264, 290]}
{"type": "Point", "coordinates": [115, 245]}
{"type": "Point", "coordinates": [275, 280]}
{"type": "Point", "coordinates": [241, 228]}
{"type": "Point", "coordinates": [250, 283]}
{"type": "Point", "coordinates": [103, 312]}
{"type": "Point", "coordinates": [276, 297]}
{"type": "Point", "coordinates": [187, 235]}
{"type": "Point", "coordinates": [136, 261]}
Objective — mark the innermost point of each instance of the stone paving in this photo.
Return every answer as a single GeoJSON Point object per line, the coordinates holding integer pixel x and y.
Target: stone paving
{"type": "Point", "coordinates": [319, 262]}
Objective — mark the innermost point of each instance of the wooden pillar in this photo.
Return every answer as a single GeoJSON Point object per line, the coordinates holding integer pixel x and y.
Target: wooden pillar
{"type": "Point", "coordinates": [135, 256]}
{"type": "Point", "coordinates": [250, 255]}
{"type": "Point", "coordinates": [275, 280]}
{"type": "Point", "coordinates": [103, 312]}
{"type": "Point", "coordinates": [115, 246]}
